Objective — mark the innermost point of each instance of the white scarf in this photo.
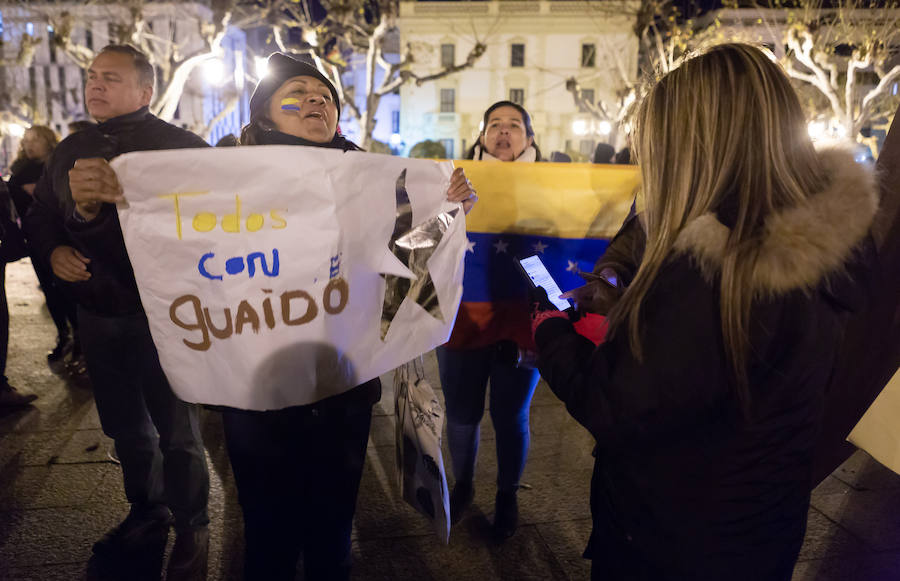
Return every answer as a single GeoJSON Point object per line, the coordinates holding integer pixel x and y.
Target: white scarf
{"type": "Point", "coordinates": [529, 155]}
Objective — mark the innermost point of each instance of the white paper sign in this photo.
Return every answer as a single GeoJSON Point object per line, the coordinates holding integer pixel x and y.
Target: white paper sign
{"type": "Point", "coordinates": [261, 268]}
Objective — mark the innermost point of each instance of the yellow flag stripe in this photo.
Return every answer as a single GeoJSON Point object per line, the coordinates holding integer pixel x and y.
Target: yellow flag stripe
{"type": "Point", "coordinates": [567, 200]}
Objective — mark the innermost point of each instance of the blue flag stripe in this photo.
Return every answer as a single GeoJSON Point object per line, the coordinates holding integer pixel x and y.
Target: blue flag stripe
{"type": "Point", "coordinates": [493, 275]}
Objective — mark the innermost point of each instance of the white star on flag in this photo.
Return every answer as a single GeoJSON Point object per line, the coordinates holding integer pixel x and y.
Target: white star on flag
{"type": "Point", "coordinates": [573, 267]}
{"type": "Point", "coordinates": [500, 245]}
{"type": "Point", "coordinates": [470, 246]}
{"type": "Point", "coordinates": [539, 247]}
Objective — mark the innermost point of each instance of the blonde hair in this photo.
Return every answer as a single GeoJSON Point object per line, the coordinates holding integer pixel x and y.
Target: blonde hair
{"type": "Point", "coordinates": [722, 133]}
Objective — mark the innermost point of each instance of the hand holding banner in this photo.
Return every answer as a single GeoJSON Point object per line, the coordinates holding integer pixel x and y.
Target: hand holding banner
{"type": "Point", "coordinates": [264, 270]}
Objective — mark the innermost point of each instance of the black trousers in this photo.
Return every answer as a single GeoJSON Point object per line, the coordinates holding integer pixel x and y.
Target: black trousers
{"type": "Point", "coordinates": [298, 472]}
{"type": "Point", "coordinates": [157, 435]}
{"type": "Point", "coordinates": [63, 309]}
{"type": "Point", "coordinates": [4, 322]}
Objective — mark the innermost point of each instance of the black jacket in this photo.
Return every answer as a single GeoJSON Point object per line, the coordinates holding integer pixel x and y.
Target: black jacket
{"type": "Point", "coordinates": [625, 251]}
{"type": "Point", "coordinates": [51, 221]}
{"type": "Point", "coordinates": [23, 173]}
{"type": "Point", "coordinates": [12, 241]}
{"type": "Point", "coordinates": [684, 486]}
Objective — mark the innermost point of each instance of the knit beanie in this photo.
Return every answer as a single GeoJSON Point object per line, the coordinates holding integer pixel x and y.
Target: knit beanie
{"type": "Point", "coordinates": [281, 67]}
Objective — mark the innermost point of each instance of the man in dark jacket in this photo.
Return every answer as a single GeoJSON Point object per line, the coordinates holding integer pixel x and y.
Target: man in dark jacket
{"type": "Point", "coordinates": [11, 244]}
{"type": "Point", "coordinates": [73, 224]}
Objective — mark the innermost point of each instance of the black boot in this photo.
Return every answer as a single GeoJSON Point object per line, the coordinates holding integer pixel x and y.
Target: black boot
{"type": "Point", "coordinates": [142, 529]}
{"type": "Point", "coordinates": [11, 398]}
{"type": "Point", "coordinates": [460, 499]}
{"type": "Point", "coordinates": [63, 346]}
{"type": "Point", "coordinates": [76, 364]}
{"type": "Point", "coordinates": [506, 514]}
{"type": "Point", "coordinates": [190, 555]}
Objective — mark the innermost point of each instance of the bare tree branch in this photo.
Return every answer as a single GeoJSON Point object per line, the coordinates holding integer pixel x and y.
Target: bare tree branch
{"type": "Point", "coordinates": [864, 28]}
{"type": "Point", "coordinates": [800, 41]}
{"type": "Point", "coordinates": [476, 53]}
{"type": "Point", "coordinates": [887, 80]}
{"type": "Point", "coordinates": [27, 48]}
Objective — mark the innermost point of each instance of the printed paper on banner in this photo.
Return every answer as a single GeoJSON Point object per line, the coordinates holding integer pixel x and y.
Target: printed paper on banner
{"type": "Point", "coordinates": [263, 270]}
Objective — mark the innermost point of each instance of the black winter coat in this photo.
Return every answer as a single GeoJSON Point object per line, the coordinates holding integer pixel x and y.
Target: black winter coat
{"type": "Point", "coordinates": [51, 220]}
{"type": "Point", "coordinates": [684, 487]}
{"type": "Point", "coordinates": [24, 173]}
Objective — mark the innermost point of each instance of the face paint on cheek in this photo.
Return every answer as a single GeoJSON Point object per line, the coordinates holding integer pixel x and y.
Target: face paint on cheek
{"type": "Point", "coordinates": [290, 104]}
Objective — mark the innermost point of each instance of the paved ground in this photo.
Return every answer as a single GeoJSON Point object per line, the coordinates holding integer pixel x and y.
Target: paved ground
{"type": "Point", "coordinates": [59, 492]}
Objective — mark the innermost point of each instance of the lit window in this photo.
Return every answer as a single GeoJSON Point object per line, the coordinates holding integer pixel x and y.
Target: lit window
{"type": "Point", "coordinates": [448, 147]}
{"type": "Point", "coordinates": [588, 56]}
{"type": "Point", "coordinates": [51, 42]}
{"type": "Point", "coordinates": [588, 95]}
{"type": "Point", "coordinates": [62, 86]}
{"type": "Point", "coordinates": [517, 55]}
{"type": "Point", "coordinates": [448, 55]}
{"type": "Point", "coordinates": [586, 148]}
{"type": "Point", "coordinates": [448, 100]}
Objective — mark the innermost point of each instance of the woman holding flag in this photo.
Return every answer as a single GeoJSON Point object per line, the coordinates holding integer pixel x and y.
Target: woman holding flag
{"type": "Point", "coordinates": [468, 361]}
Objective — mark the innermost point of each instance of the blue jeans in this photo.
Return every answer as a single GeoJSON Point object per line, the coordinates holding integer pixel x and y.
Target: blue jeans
{"type": "Point", "coordinates": [464, 379]}
{"type": "Point", "coordinates": [157, 435]}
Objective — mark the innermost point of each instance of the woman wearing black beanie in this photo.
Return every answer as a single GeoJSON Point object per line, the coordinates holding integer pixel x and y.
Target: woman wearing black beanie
{"type": "Point", "coordinates": [298, 469]}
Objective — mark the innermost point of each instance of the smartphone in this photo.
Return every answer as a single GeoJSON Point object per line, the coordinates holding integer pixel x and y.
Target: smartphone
{"type": "Point", "coordinates": [539, 276]}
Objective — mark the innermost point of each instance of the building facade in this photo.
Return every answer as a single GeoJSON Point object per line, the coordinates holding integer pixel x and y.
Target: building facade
{"type": "Point", "coordinates": [534, 46]}
{"type": "Point", "coordinates": [49, 88]}
{"type": "Point", "coordinates": [387, 118]}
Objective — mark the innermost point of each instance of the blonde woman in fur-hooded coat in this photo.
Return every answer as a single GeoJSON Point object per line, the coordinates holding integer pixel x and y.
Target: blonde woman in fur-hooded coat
{"type": "Point", "coordinates": [706, 399]}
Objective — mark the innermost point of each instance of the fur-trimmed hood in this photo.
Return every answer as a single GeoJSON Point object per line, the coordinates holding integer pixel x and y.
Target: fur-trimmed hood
{"type": "Point", "coordinates": [803, 244]}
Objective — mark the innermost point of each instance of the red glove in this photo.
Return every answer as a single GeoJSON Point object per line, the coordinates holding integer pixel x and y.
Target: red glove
{"type": "Point", "coordinates": [538, 317]}
{"type": "Point", "coordinates": [542, 309]}
{"type": "Point", "coordinates": [593, 327]}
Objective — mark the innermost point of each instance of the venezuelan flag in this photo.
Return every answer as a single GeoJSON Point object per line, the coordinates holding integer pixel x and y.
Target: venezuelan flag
{"type": "Point", "coordinates": [565, 213]}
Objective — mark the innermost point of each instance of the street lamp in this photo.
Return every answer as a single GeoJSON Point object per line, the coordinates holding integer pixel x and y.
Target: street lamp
{"type": "Point", "coordinates": [605, 128]}
{"type": "Point", "coordinates": [816, 130]}
{"type": "Point", "coordinates": [579, 127]}
{"type": "Point", "coordinates": [239, 75]}
{"type": "Point", "coordinates": [262, 66]}
{"type": "Point", "coordinates": [16, 130]}
{"type": "Point", "coordinates": [214, 72]}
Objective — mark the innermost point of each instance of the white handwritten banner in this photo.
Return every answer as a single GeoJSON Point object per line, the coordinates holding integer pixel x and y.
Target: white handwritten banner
{"type": "Point", "coordinates": [276, 275]}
